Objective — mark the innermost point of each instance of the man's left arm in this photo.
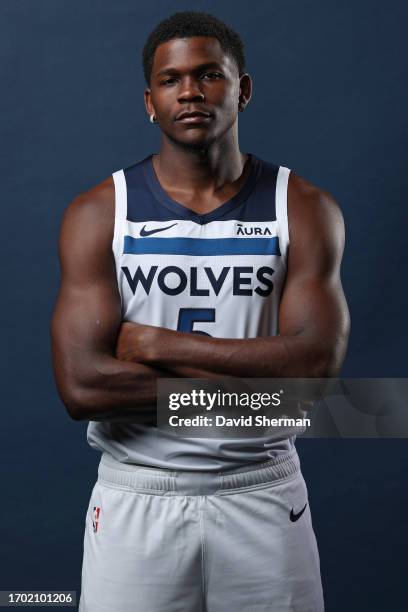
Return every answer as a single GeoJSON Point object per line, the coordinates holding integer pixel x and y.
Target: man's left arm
{"type": "Point", "coordinates": [313, 315]}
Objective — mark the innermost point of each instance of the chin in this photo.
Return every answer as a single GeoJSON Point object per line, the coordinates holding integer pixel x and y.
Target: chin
{"type": "Point", "coordinates": [195, 142]}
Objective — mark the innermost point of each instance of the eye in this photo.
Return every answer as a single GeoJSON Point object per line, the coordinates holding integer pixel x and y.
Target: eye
{"type": "Point", "coordinates": [168, 81]}
{"type": "Point", "coordinates": [213, 75]}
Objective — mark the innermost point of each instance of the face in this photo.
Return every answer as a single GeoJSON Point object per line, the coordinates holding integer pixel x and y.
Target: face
{"type": "Point", "coordinates": [195, 90]}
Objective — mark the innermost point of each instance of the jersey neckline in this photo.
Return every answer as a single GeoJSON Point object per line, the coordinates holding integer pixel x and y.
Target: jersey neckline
{"type": "Point", "coordinates": [224, 208]}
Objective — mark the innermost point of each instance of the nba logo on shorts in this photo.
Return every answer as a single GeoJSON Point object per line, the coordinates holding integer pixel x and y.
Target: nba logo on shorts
{"type": "Point", "coordinates": [95, 518]}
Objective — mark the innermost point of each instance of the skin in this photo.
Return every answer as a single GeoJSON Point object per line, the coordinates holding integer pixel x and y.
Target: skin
{"type": "Point", "coordinates": [107, 369]}
{"type": "Point", "coordinates": [199, 166]}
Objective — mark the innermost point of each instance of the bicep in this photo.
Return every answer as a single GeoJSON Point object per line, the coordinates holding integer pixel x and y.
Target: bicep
{"type": "Point", "coordinates": [87, 314]}
{"type": "Point", "coordinates": [313, 307]}
{"type": "Point", "coordinates": [86, 319]}
{"type": "Point", "coordinates": [313, 304]}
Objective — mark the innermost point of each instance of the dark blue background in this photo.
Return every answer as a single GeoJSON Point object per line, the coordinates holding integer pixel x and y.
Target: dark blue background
{"type": "Point", "coordinates": [330, 98]}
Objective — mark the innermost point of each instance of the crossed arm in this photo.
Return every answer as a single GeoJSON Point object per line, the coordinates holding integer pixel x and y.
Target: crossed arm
{"type": "Point", "coordinates": [92, 382]}
{"type": "Point", "coordinates": [107, 370]}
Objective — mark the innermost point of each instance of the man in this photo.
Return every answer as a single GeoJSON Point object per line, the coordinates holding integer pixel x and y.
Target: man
{"type": "Point", "coordinates": [200, 237]}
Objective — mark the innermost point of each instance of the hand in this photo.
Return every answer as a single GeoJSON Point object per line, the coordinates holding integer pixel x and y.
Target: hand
{"type": "Point", "coordinates": [139, 343]}
{"type": "Point", "coordinates": [131, 341]}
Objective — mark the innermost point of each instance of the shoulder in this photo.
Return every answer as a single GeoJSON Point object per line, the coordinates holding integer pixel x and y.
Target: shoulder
{"type": "Point", "coordinates": [92, 211]}
{"type": "Point", "coordinates": [96, 204]}
{"type": "Point", "coordinates": [307, 199]}
{"type": "Point", "coordinates": [313, 210]}
{"type": "Point", "coordinates": [87, 228]}
{"type": "Point", "coordinates": [316, 225]}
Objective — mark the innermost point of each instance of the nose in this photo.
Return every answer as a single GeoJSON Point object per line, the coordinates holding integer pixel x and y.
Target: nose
{"type": "Point", "coordinates": [190, 90]}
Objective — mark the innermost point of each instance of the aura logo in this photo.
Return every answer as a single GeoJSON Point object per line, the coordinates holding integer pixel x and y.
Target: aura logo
{"type": "Point", "coordinates": [253, 231]}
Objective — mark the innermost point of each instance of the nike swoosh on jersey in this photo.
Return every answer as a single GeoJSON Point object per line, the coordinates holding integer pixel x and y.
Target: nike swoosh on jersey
{"type": "Point", "coordinates": [145, 232]}
{"type": "Point", "coordinates": [295, 517]}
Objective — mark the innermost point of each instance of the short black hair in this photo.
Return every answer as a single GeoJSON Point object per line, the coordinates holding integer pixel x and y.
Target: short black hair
{"type": "Point", "coordinates": [193, 23]}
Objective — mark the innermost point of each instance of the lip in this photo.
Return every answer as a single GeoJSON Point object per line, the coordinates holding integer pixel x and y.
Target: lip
{"type": "Point", "coordinates": [193, 119]}
{"type": "Point", "coordinates": [188, 116]}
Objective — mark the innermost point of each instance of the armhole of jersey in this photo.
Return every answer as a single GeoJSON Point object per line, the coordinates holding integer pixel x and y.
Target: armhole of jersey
{"type": "Point", "coordinates": [281, 201]}
{"type": "Point", "coordinates": [120, 220]}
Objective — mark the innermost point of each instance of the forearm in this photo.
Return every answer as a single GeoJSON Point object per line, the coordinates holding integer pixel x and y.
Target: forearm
{"type": "Point", "coordinates": [103, 388]}
{"type": "Point", "coordinates": [107, 389]}
{"type": "Point", "coordinates": [271, 357]}
{"type": "Point", "coordinates": [185, 371]}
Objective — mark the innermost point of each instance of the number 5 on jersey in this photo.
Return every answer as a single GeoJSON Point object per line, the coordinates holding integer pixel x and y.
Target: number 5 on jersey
{"type": "Point", "coordinates": [189, 316]}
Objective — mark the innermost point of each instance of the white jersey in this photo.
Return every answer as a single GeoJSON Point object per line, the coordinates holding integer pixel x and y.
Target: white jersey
{"type": "Point", "coordinates": [220, 274]}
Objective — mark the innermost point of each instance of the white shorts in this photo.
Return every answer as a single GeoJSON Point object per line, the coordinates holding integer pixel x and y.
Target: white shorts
{"type": "Point", "coordinates": [165, 541]}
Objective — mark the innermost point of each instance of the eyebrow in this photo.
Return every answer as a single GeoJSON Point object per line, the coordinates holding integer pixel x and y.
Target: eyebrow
{"type": "Point", "coordinates": [197, 69]}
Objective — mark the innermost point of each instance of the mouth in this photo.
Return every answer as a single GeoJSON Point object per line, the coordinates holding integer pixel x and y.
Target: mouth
{"type": "Point", "coordinates": [194, 117]}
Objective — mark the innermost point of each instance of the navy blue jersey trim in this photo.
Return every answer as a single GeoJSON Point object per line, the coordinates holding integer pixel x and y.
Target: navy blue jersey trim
{"type": "Point", "coordinates": [180, 209]}
{"type": "Point", "coordinates": [201, 246]}
{"type": "Point", "coordinates": [147, 201]}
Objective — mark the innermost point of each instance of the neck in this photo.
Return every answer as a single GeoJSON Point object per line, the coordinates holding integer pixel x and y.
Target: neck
{"type": "Point", "coordinates": [195, 169]}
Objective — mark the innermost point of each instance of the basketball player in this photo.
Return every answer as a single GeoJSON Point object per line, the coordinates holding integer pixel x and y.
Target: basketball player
{"type": "Point", "coordinates": [189, 263]}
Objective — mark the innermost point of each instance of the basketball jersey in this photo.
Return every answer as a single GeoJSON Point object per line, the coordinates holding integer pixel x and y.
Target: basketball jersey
{"type": "Point", "coordinates": [219, 274]}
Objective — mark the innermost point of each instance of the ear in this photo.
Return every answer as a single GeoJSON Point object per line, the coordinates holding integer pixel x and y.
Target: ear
{"type": "Point", "coordinates": [245, 90]}
{"type": "Point", "coordinates": [148, 102]}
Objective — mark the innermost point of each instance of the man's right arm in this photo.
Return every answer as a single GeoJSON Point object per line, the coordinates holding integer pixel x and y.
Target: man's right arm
{"type": "Point", "coordinates": [92, 383]}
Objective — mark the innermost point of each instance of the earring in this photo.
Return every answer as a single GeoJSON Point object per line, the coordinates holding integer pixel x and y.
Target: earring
{"type": "Point", "coordinates": [153, 118]}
